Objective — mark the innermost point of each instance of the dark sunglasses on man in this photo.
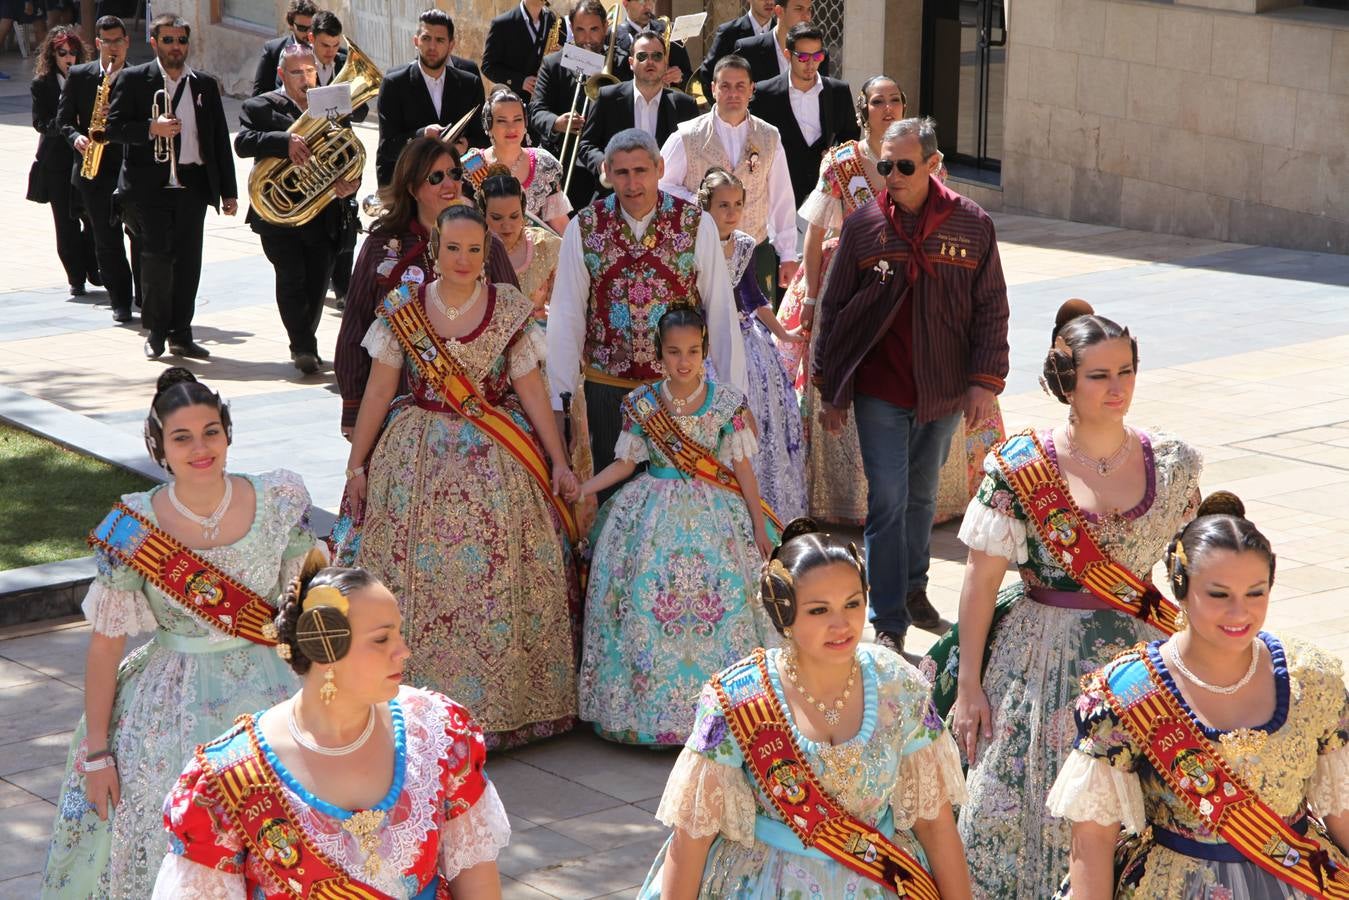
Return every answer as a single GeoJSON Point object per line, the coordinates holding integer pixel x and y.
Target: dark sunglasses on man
{"type": "Point", "coordinates": [168, 40]}
{"type": "Point", "coordinates": [654, 55]}
{"type": "Point", "coordinates": [440, 175]}
{"type": "Point", "coordinates": [302, 29]}
{"type": "Point", "coordinates": [886, 166]}
{"type": "Point", "coordinates": [817, 56]}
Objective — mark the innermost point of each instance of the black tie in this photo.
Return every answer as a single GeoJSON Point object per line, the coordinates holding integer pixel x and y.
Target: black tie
{"type": "Point", "coordinates": [173, 111]}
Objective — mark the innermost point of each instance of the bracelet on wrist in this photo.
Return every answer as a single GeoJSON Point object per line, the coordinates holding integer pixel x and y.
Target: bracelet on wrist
{"type": "Point", "coordinates": [97, 754]}
{"type": "Point", "coordinates": [98, 765]}
{"type": "Point", "coordinates": [809, 301]}
{"type": "Point", "coordinates": [352, 473]}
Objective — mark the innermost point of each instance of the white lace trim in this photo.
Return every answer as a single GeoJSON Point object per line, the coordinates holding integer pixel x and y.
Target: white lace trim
{"type": "Point", "coordinates": [556, 205]}
{"type": "Point", "coordinates": [823, 209]}
{"type": "Point", "coordinates": [117, 613]}
{"type": "Point", "coordinates": [631, 447]}
{"type": "Point", "coordinates": [705, 797]}
{"type": "Point", "coordinates": [928, 778]}
{"type": "Point", "coordinates": [1328, 792]}
{"type": "Point", "coordinates": [529, 352]}
{"type": "Point", "coordinates": [738, 445]}
{"type": "Point", "coordinates": [475, 837]}
{"type": "Point", "coordinates": [993, 532]}
{"type": "Point", "coordinates": [1089, 789]}
{"type": "Point", "coordinates": [181, 877]}
{"type": "Point", "coordinates": [382, 345]}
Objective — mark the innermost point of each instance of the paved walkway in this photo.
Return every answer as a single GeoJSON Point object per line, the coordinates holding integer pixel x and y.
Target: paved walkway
{"type": "Point", "coordinates": [1243, 351]}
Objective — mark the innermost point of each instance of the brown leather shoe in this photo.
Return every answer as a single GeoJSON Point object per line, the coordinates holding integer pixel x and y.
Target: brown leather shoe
{"type": "Point", "coordinates": [922, 614]}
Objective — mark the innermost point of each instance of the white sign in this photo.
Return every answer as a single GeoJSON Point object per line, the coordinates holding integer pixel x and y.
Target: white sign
{"type": "Point", "coordinates": [686, 27]}
{"type": "Point", "coordinates": [580, 60]}
{"type": "Point", "coordinates": [331, 102]}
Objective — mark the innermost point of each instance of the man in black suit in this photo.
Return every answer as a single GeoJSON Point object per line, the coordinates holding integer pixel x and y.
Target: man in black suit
{"type": "Point", "coordinates": [551, 114]}
{"type": "Point", "coordinates": [756, 21]}
{"type": "Point", "coordinates": [170, 222]}
{"type": "Point", "coordinates": [764, 52]}
{"type": "Point", "coordinates": [643, 103]}
{"type": "Point", "coordinates": [515, 45]}
{"type": "Point", "coordinates": [302, 255]}
{"type": "Point", "coordinates": [638, 16]}
{"type": "Point", "coordinates": [74, 116]}
{"type": "Point", "coordinates": [811, 112]}
{"type": "Point", "coordinates": [426, 96]}
{"type": "Point", "coordinates": [299, 22]}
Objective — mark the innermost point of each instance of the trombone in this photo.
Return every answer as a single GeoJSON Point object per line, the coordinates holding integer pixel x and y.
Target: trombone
{"type": "Point", "coordinates": [664, 24]}
{"type": "Point", "coordinates": [592, 85]}
{"type": "Point", "coordinates": [164, 145]}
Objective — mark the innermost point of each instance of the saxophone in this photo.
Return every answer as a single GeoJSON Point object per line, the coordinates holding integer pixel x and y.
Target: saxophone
{"type": "Point", "coordinates": [98, 130]}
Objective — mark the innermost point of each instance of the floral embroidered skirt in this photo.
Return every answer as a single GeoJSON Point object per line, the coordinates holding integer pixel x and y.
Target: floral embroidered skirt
{"type": "Point", "coordinates": [780, 464]}
{"type": "Point", "coordinates": [467, 541]}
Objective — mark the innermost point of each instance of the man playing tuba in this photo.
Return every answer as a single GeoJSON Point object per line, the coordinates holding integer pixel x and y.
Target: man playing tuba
{"type": "Point", "coordinates": [301, 254]}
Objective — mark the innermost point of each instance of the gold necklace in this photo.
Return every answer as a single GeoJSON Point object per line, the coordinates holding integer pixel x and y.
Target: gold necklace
{"type": "Point", "coordinates": [831, 715]}
{"type": "Point", "coordinates": [453, 312]}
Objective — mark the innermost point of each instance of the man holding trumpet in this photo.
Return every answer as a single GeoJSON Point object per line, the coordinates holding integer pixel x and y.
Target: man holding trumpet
{"type": "Point", "coordinates": [177, 161]}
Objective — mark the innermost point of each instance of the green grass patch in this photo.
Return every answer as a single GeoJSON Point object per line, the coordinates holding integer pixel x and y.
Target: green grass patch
{"type": "Point", "coordinates": [51, 497]}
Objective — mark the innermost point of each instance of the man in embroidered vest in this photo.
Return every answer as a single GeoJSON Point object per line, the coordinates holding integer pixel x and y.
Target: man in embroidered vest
{"type": "Point", "coordinates": [912, 333]}
{"type": "Point", "coordinates": [728, 136]}
{"type": "Point", "coordinates": [624, 260]}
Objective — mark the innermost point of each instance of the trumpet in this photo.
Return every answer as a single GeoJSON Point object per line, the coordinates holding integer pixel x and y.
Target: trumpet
{"type": "Point", "coordinates": [603, 78]}
{"type": "Point", "coordinates": [164, 145]}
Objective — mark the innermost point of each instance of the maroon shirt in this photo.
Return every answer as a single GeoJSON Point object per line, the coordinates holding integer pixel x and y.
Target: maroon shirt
{"type": "Point", "coordinates": [886, 372]}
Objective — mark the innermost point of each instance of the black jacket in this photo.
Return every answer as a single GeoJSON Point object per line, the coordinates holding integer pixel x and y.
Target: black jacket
{"type": "Point", "coordinates": [838, 123]}
{"type": "Point", "coordinates": [405, 108]}
{"type": "Point", "coordinates": [512, 53]}
{"type": "Point", "coordinates": [762, 53]}
{"type": "Point", "coordinates": [263, 124]}
{"type": "Point", "coordinates": [553, 94]}
{"type": "Point", "coordinates": [54, 153]}
{"type": "Point", "coordinates": [77, 108]}
{"type": "Point", "coordinates": [723, 44]}
{"type": "Point", "coordinates": [678, 56]}
{"type": "Point", "coordinates": [129, 124]}
{"type": "Point", "coordinates": [358, 114]}
{"type": "Point", "coordinates": [613, 113]}
{"type": "Point", "coordinates": [264, 79]}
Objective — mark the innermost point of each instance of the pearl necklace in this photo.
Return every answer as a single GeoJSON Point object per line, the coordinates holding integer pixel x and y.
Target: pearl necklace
{"type": "Point", "coordinates": [681, 407]}
{"type": "Point", "coordinates": [831, 715]}
{"type": "Point", "coordinates": [210, 525]}
{"type": "Point", "coordinates": [1105, 465]}
{"type": "Point", "coordinates": [1218, 688]}
{"type": "Point", "coordinates": [330, 751]}
{"type": "Point", "coordinates": [452, 312]}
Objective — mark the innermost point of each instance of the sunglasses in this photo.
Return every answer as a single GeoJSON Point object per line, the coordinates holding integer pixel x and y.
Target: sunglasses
{"type": "Point", "coordinates": [169, 40]}
{"type": "Point", "coordinates": [654, 55]}
{"type": "Point", "coordinates": [905, 166]}
{"type": "Point", "coordinates": [302, 29]}
{"type": "Point", "coordinates": [817, 56]}
{"type": "Point", "coordinates": [440, 175]}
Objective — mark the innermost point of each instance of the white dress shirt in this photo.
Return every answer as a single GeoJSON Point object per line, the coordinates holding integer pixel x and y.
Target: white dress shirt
{"type": "Point", "coordinates": [189, 146]}
{"type": "Point", "coordinates": [326, 72]}
{"type": "Point", "coordinates": [435, 86]}
{"type": "Point", "coordinates": [570, 303]}
{"type": "Point", "coordinates": [783, 64]}
{"type": "Point", "coordinates": [806, 108]}
{"type": "Point", "coordinates": [781, 199]}
{"type": "Point", "coordinates": [760, 29]}
{"type": "Point", "coordinates": [645, 112]}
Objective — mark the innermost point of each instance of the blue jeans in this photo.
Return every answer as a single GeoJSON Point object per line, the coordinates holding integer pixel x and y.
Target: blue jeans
{"type": "Point", "coordinates": [903, 460]}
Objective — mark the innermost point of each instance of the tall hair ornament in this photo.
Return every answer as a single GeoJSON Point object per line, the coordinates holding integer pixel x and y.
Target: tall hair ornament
{"type": "Point", "coordinates": [325, 595]}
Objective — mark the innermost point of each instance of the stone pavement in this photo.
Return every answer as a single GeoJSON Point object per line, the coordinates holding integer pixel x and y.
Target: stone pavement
{"type": "Point", "coordinates": [1243, 353]}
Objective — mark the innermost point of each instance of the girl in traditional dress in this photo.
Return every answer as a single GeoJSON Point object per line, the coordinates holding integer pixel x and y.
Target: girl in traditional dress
{"type": "Point", "coordinates": [1261, 716]}
{"type": "Point", "coordinates": [458, 524]}
{"type": "Point", "coordinates": [357, 776]}
{"type": "Point", "coordinates": [852, 735]}
{"type": "Point", "coordinates": [1104, 492]}
{"type": "Point", "coordinates": [838, 486]}
{"type": "Point", "coordinates": [780, 463]}
{"type": "Point", "coordinates": [244, 537]}
{"type": "Point", "coordinates": [676, 555]}
{"type": "Point", "coordinates": [538, 171]}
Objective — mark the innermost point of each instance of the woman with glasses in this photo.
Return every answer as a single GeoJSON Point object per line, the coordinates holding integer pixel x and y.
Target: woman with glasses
{"type": "Point", "coordinates": [538, 171]}
{"type": "Point", "coordinates": [51, 173]}
{"type": "Point", "coordinates": [849, 180]}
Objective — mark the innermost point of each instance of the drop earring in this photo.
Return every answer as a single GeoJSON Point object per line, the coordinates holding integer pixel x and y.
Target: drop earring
{"type": "Point", "coordinates": [787, 633]}
{"type": "Point", "coordinates": [329, 689]}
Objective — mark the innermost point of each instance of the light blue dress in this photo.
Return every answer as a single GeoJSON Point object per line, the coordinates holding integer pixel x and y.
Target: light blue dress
{"type": "Point", "coordinates": [899, 767]}
{"type": "Point", "coordinates": [182, 688]}
{"type": "Point", "coordinates": [672, 581]}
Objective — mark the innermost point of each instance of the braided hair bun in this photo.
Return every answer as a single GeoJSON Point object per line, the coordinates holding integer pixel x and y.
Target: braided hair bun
{"type": "Point", "coordinates": [1221, 503]}
{"type": "Point", "coordinates": [321, 634]}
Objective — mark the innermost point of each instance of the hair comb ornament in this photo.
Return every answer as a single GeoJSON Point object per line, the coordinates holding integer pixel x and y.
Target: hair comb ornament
{"type": "Point", "coordinates": [784, 603]}
{"type": "Point", "coordinates": [323, 632]}
{"type": "Point", "coordinates": [326, 595]}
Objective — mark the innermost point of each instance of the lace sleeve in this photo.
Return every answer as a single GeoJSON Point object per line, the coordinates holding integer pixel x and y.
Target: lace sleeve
{"type": "Point", "coordinates": [179, 877]}
{"type": "Point", "coordinates": [737, 439]}
{"type": "Point", "coordinates": [994, 532]}
{"type": "Point", "coordinates": [556, 205]}
{"type": "Point", "coordinates": [115, 612]}
{"type": "Point", "coordinates": [528, 351]}
{"type": "Point", "coordinates": [475, 837]}
{"type": "Point", "coordinates": [631, 447]}
{"type": "Point", "coordinates": [928, 778]}
{"type": "Point", "coordinates": [1089, 789]}
{"type": "Point", "coordinates": [704, 797]}
{"type": "Point", "coordinates": [381, 344]}
{"type": "Point", "coordinates": [824, 205]}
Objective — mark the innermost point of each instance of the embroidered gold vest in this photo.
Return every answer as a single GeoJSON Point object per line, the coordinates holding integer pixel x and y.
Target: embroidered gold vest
{"type": "Point", "coordinates": [703, 149]}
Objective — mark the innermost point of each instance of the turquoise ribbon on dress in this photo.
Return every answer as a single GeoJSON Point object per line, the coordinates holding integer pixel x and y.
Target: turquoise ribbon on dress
{"type": "Point", "coordinates": [182, 643]}
{"type": "Point", "coordinates": [780, 836]}
{"type": "Point", "coordinates": [664, 472]}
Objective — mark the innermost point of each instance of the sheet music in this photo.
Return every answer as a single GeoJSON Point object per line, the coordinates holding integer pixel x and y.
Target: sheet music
{"type": "Point", "coordinates": [581, 61]}
{"type": "Point", "coordinates": [685, 27]}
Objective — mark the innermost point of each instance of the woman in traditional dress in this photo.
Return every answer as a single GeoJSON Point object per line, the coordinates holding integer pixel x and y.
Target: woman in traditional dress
{"type": "Point", "coordinates": [1103, 493]}
{"type": "Point", "coordinates": [538, 171]}
{"type": "Point", "coordinates": [458, 524]}
{"type": "Point", "coordinates": [1259, 718]}
{"type": "Point", "coordinates": [780, 463]}
{"type": "Point", "coordinates": [851, 734]}
{"type": "Point", "coordinates": [837, 483]}
{"type": "Point", "coordinates": [357, 776]}
{"type": "Point", "coordinates": [676, 552]}
{"type": "Point", "coordinates": [210, 658]}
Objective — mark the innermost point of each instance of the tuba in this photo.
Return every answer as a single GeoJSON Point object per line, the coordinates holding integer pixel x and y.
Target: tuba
{"type": "Point", "coordinates": [98, 131]}
{"type": "Point", "coordinates": [283, 193]}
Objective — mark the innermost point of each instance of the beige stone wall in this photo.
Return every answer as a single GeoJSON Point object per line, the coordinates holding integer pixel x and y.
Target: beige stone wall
{"type": "Point", "coordinates": [1190, 121]}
